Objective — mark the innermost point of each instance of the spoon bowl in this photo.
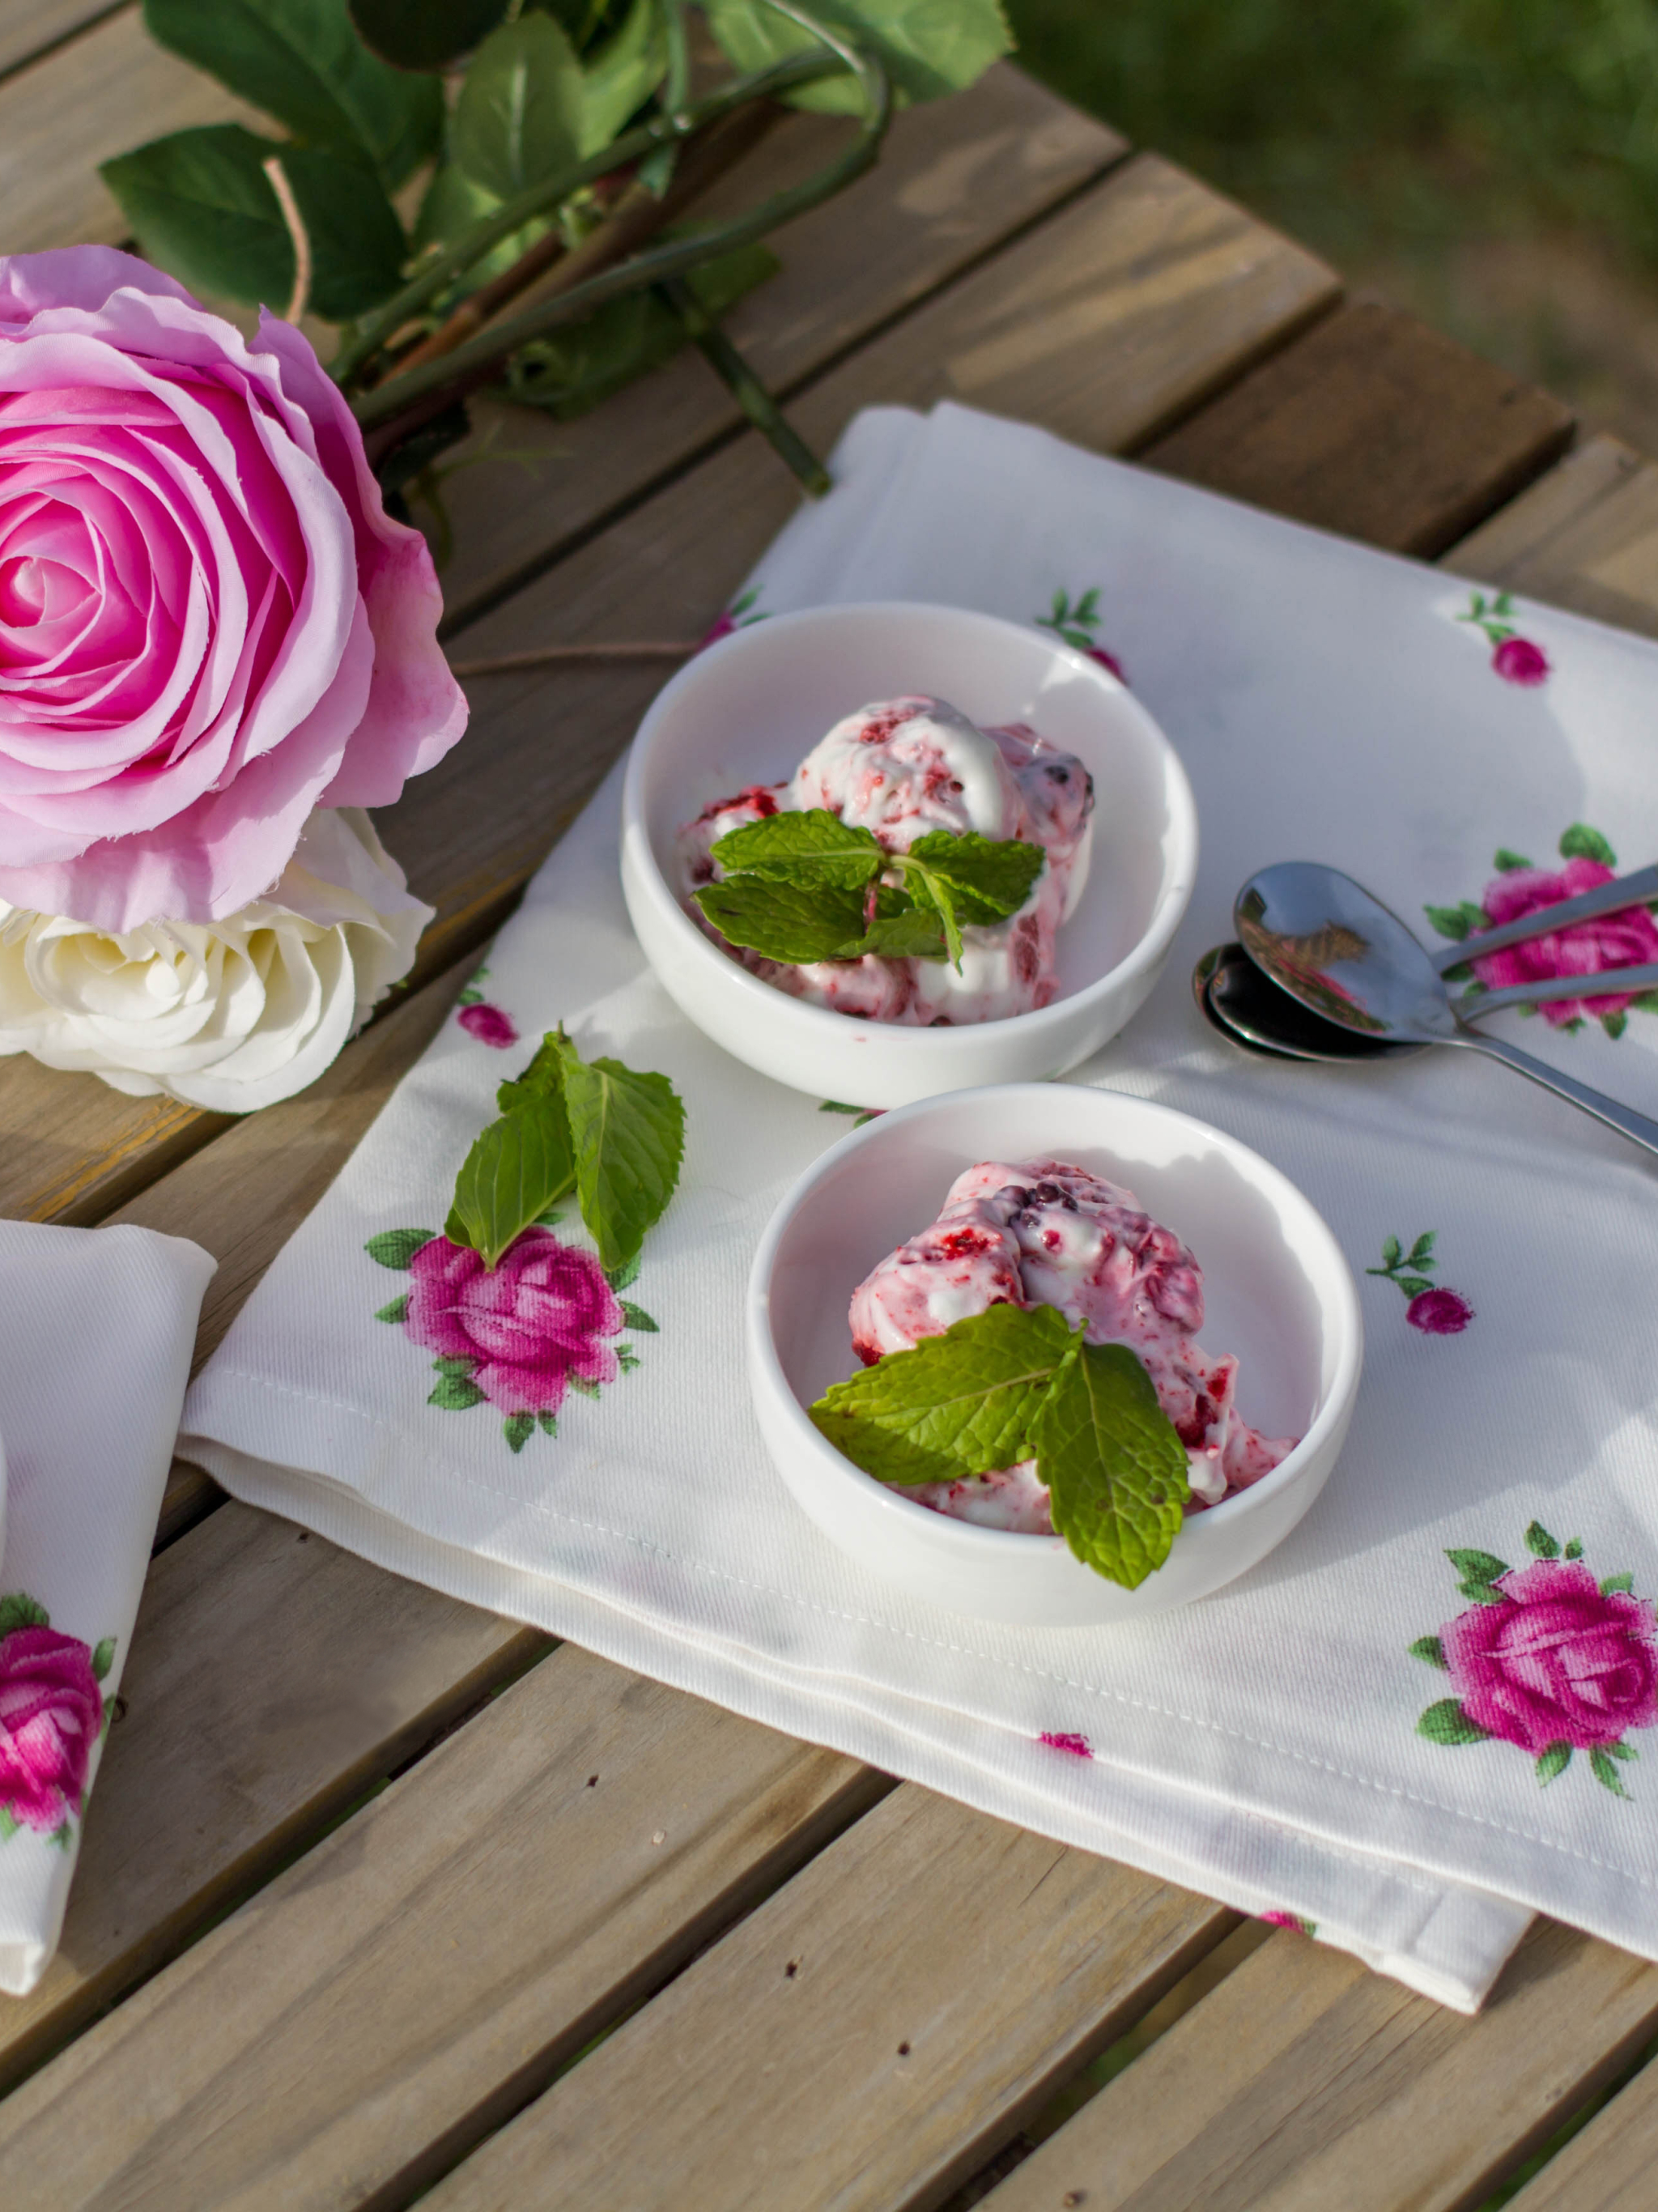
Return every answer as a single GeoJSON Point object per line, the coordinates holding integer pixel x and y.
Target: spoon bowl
{"type": "Point", "coordinates": [1248, 1009]}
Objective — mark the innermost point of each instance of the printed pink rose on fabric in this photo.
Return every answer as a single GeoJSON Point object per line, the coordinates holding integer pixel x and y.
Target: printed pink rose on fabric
{"type": "Point", "coordinates": [209, 624]}
{"type": "Point", "coordinates": [51, 1712]}
{"type": "Point", "coordinates": [1558, 1660]}
{"type": "Point", "coordinates": [534, 1326]}
{"type": "Point", "coordinates": [1586, 948]}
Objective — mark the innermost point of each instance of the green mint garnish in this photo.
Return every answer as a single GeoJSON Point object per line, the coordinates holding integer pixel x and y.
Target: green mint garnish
{"type": "Point", "coordinates": [1012, 1383]}
{"type": "Point", "coordinates": [797, 887]}
{"type": "Point", "coordinates": [614, 1136]}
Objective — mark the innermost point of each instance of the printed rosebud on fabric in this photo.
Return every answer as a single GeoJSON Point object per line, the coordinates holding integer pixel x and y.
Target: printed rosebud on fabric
{"type": "Point", "coordinates": [1440, 1313]}
{"type": "Point", "coordinates": [228, 1015]}
{"type": "Point", "coordinates": [50, 1710]}
{"type": "Point", "coordinates": [209, 624]}
{"type": "Point", "coordinates": [490, 1024]}
{"type": "Point", "coordinates": [1517, 660]}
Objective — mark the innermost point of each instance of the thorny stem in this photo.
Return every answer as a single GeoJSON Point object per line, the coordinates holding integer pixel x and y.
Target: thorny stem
{"type": "Point", "coordinates": [745, 387]}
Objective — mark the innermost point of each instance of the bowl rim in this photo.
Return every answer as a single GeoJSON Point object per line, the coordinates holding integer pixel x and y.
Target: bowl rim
{"type": "Point", "coordinates": [1147, 951]}
{"type": "Point", "coordinates": [968, 1537]}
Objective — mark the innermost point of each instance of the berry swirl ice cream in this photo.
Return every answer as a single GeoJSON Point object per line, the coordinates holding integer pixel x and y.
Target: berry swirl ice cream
{"type": "Point", "coordinates": [900, 769]}
{"type": "Point", "coordinates": [1040, 1232]}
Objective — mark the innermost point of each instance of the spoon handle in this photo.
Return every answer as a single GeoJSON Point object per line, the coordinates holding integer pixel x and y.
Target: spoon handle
{"type": "Point", "coordinates": [1639, 1128]}
{"type": "Point", "coordinates": [1605, 898]}
{"type": "Point", "coordinates": [1610, 982]}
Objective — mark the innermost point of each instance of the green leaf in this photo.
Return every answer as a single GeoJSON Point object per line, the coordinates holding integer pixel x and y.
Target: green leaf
{"type": "Point", "coordinates": [518, 1428]}
{"type": "Point", "coordinates": [834, 1106]}
{"type": "Point", "coordinates": [1579, 843]}
{"type": "Point", "coordinates": [1506, 862]}
{"type": "Point", "coordinates": [806, 849]}
{"type": "Point", "coordinates": [1620, 1750]}
{"type": "Point", "coordinates": [19, 1610]}
{"type": "Point", "coordinates": [1115, 1469]}
{"type": "Point", "coordinates": [302, 62]}
{"type": "Point", "coordinates": [785, 921]}
{"type": "Point", "coordinates": [1391, 1254]}
{"type": "Point", "coordinates": [516, 1167]}
{"type": "Point", "coordinates": [1482, 1593]}
{"type": "Point", "coordinates": [626, 1358]}
{"type": "Point", "coordinates": [455, 1395]}
{"type": "Point", "coordinates": [636, 1317]}
{"type": "Point", "coordinates": [1573, 1550]}
{"type": "Point", "coordinates": [987, 880]}
{"type": "Point", "coordinates": [517, 121]}
{"type": "Point", "coordinates": [541, 1083]}
{"type": "Point", "coordinates": [1614, 1024]}
{"type": "Point", "coordinates": [1413, 1286]}
{"type": "Point", "coordinates": [1555, 1760]}
{"type": "Point", "coordinates": [930, 47]}
{"type": "Point", "coordinates": [1447, 1722]}
{"type": "Point", "coordinates": [200, 204]}
{"type": "Point", "coordinates": [1430, 1649]}
{"type": "Point", "coordinates": [8, 1825]}
{"type": "Point", "coordinates": [1604, 1772]}
{"type": "Point", "coordinates": [624, 1277]}
{"type": "Point", "coordinates": [465, 1365]}
{"type": "Point", "coordinates": [1478, 1566]}
{"type": "Point", "coordinates": [1422, 1250]}
{"type": "Point", "coordinates": [1539, 1541]}
{"type": "Point", "coordinates": [1455, 921]}
{"type": "Point", "coordinates": [424, 35]}
{"type": "Point", "coordinates": [902, 931]}
{"type": "Point", "coordinates": [395, 1248]}
{"type": "Point", "coordinates": [103, 1658]}
{"type": "Point", "coordinates": [583, 1387]}
{"type": "Point", "coordinates": [396, 1311]}
{"type": "Point", "coordinates": [548, 1423]}
{"type": "Point", "coordinates": [623, 74]}
{"type": "Point", "coordinates": [1618, 1586]}
{"type": "Point", "coordinates": [357, 243]}
{"type": "Point", "coordinates": [628, 1133]}
{"type": "Point", "coordinates": [958, 1404]}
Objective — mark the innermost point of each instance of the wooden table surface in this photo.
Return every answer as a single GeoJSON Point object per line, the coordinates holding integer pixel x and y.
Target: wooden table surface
{"type": "Point", "coordinates": [380, 1895]}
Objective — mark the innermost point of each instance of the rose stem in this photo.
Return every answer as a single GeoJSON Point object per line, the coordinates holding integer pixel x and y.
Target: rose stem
{"type": "Point", "coordinates": [745, 387]}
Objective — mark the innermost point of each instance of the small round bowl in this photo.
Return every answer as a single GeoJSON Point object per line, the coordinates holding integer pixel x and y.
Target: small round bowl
{"type": "Point", "coordinates": [748, 709]}
{"type": "Point", "coordinates": [1278, 1292]}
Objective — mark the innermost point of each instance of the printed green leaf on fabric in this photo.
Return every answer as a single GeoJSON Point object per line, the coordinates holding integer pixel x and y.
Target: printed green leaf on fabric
{"type": "Point", "coordinates": [518, 1428]}
{"type": "Point", "coordinates": [103, 1658]}
{"type": "Point", "coordinates": [1457, 921]}
{"type": "Point", "coordinates": [1478, 1566]}
{"type": "Point", "coordinates": [1430, 1649]}
{"type": "Point", "coordinates": [453, 1395]}
{"type": "Point", "coordinates": [1540, 1543]}
{"type": "Point", "coordinates": [518, 119]}
{"type": "Point", "coordinates": [302, 62]}
{"type": "Point", "coordinates": [19, 1610]}
{"type": "Point", "coordinates": [1446, 1723]}
{"type": "Point", "coordinates": [516, 1167]}
{"type": "Point", "coordinates": [628, 1134]}
{"type": "Point", "coordinates": [395, 1248]}
{"type": "Point", "coordinates": [1553, 1762]}
{"type": "Point", "coordinates": [955, 1404]}
{"type": "Point", "coordinates": [396, 1311]}
{"type": "Point", "coordinates": [1579, 843]}
{"type": "Point", "coordinates": [1115, 1469]}
{"type": "Point", "coordinates": [1605, 1773]}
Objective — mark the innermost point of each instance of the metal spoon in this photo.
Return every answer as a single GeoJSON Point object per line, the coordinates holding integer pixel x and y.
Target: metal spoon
{"type": "Point", "coordinates": [1248, 1009]}
{"type": "Point", "coordinates": [1343, 955]}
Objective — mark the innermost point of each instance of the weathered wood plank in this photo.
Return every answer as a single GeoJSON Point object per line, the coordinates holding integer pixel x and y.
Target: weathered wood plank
{"type": "Point", "coordinates": [1184, 288]}
{"type": "Point", "coordinates": [953, 182]}
{"type": "Point", "coordinates": [1611, 2165]}
{"type": "Point", "coordinates": [378, 2009]}
{"type": "Point", "coordinates": [1585, 537]}
{"type": "Point", "coordinates": [1305, 2081]}
{"type": "Point", "coordinates": [107, 90]}
{"type": "Point", "coordinates": [867, 2037]}
{"type": "Point", "coordinates": [29, 26]}
{"type": "Point", "coordinates": [1376, 425]}
{"type": "Point", "coordinates": [273, 1679]}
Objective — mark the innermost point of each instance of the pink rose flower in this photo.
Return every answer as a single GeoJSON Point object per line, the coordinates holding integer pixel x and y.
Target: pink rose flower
{"type": "Point", "coordinates": [1517, 660]}
{"type": "Point", "coordinates": [1440, 1313]}
{"type": "Point", "coordinates": [51, 1712]}
{"type": "Point", "coordinates": [1562, 1661]}
{"type": "Point", "coordinates": [533, 1324]}
{"type": "Point", "coordinates": [209, 624]}
{"type": "Point", "coordinates": [1585, 948]}
{"type": "Point", "coordinates": [488, 1025]}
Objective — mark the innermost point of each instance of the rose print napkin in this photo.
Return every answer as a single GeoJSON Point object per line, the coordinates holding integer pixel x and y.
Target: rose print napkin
{"type": "Point", "coordinates": [96, 1329]}
{"type": "Point", "coordinates": [1434, 1709]}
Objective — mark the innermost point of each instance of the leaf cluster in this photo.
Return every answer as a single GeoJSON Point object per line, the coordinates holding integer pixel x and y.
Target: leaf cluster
{"type": "Point", "coordinates": [801, 887]}
{"type": "Point", "coordinates": [613, 1136]}
{"type": "Point", "coordinates": [1014, 1384]}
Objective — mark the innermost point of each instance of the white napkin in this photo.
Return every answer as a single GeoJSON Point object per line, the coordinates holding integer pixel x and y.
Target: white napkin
{"type": "Point", "coordinates": [1263, 1747]}
{"type": "Point", "coordinates": [96, 1330]}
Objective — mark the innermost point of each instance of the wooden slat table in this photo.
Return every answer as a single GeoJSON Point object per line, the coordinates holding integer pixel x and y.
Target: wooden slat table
{"type": "Point", "coordinates": [381, 1896]}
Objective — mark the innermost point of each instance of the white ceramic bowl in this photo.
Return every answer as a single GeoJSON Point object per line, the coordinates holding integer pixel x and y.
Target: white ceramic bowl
{"type": "Point", "coordinates": [748, 709]}
{"type": "Point", "coordinates": [1278, 1292]}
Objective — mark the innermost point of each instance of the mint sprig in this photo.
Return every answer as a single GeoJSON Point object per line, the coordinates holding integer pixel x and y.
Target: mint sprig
{"type": "Point", "coordinates": [803, 887]}
{"type": "Point", "coordinates": [1013, 1384]}
{"type": "Point", "coordinates": [614, 1136]}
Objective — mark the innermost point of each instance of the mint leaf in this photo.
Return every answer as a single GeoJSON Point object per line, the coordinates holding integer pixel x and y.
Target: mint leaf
{"type": "Point", "coordinates": [1555, 1760]}
{"type": "Point", "coordinates": [785, 921]}
{"type": "Point", "coordinates": [516, 1167]}
{"type": "Point", "coordinates": [1115, 1470]}
{"type": "Point", "coordinates": [815, 847]}
{"type": "Point", "coordinates": [1447, 1722]}
{"type": "Point", "coordinates": [904, 932]}
{"type": "Point", "coordinates": [1540, 1543]}
{"type": "Point", "coordinates": [958, 1404]}
{"type": "Point", "coordinates": [628, 1134]}
{"type": "Point", "coordinates": [22, 1611]}
{"type": "Point", "coordinates": [988, 880]}
{"type": "Point", "coordinates": [1430, 1649]}
{"type": "Point", "coordinates": [542, 1080]}
{"type": "Point", "coordinates": [395, 1248]}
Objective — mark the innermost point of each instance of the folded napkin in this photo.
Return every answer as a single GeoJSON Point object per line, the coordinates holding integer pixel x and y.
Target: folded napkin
{"type": "Point", "coordinates": [96, 1330]}
{"type": "Point", "coordinates": [1430, 1711]}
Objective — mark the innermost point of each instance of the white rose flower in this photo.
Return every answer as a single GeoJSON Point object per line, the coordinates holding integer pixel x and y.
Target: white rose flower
{"type": "Point", "coordinates": [229, 1015]}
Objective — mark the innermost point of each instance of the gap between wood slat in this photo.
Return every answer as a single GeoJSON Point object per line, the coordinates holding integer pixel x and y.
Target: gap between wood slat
{"type": "Point", "coordinates": [32, 29]}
